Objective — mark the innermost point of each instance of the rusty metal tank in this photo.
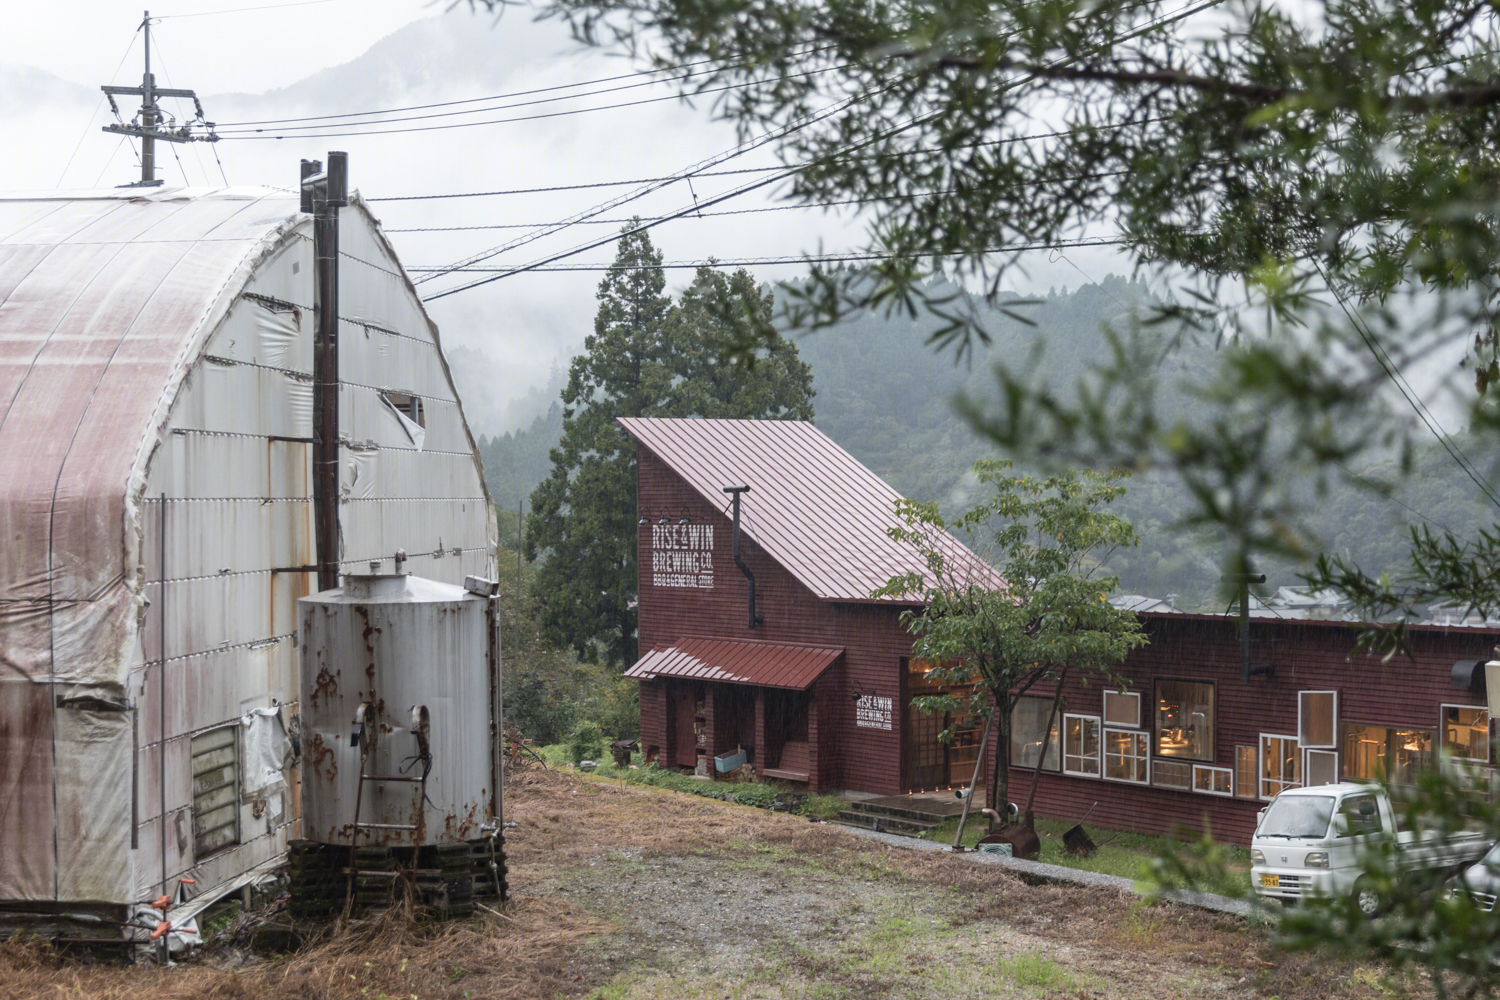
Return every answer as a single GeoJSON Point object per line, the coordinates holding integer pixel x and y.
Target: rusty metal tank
{"type": "Point", "coordinates": [400, 712]}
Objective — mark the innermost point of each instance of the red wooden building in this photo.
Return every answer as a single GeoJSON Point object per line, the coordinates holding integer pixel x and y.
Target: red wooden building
{"type": "Point", "coordinates": [1191, 740]}
{"type": "Point", "coordinates": [809, 675]}
{"type": "Point", "coordinates": [813, 679]}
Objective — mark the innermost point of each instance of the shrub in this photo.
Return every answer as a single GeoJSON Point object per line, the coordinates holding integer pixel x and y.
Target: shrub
{"type": "Point", "coordinates": [586, 743]}
{"type": "Point", "coordinates": [823, 807]}
{"type": "Point", "coordinates": [759, 796]}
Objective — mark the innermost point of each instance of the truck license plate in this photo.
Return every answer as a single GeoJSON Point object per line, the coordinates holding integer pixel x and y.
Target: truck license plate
{"type": "Point", "coordinates": [1271, 881]}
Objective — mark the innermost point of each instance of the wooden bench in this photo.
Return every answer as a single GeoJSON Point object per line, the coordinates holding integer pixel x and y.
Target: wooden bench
{"type": "Point", "coordinates": [794, 763]}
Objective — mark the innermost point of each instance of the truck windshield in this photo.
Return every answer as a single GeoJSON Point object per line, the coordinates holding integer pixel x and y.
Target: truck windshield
{"type": "Point", "coordinates": [1297, 816]}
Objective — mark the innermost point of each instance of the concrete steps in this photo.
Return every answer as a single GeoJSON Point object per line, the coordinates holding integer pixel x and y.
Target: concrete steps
{"type": "Point", "coordinates": [910, 821]}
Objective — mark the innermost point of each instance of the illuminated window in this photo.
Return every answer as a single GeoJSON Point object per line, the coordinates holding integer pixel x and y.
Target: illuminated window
{"type": "Point", "coordinates": [1280, 765]}
{"type": "Point", "coordinates": [1122, 708]}
{"type": "Point", "coordinates": [1246, 772]}
{"type": "Point", "coordinates": [1317, 712]}
{"type": "Point", "coordinates": [1466, 732]}
{"type": "Point", "coordinates": [1026, 727]}
{"type": "Point", "coordinates": [1397, 755]}
{"type": "Point", "coordinates": [1184, 720]}
{"type": "Point", "coordinates": [1213, 780]}
{"type": "Point", "coordinates": [1081, 745]}
{"type": "Point", "coordinates": [1125, 756]}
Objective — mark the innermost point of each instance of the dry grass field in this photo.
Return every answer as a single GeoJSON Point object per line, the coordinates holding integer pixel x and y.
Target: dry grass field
{"type": "Point", "coordinates": [627, 893]}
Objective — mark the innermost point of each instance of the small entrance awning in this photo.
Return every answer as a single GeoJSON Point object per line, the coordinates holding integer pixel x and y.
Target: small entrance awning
{"type": "Point", "coordinates": [730, 661]}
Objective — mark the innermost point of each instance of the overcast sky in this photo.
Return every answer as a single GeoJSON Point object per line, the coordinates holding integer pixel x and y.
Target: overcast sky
{"type": "Point", "coordinates": [274, 63]}
{"type": "Point", "coordinates": [527, 318]}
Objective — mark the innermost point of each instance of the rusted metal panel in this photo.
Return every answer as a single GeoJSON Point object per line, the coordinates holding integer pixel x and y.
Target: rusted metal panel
{"type": "Point", "coordinates": [811, 506]}
{"type": "Point", "coordinates": [762, 664]}
{"type": "Point", "coordinates": [374, 655]}
{"type": "Point", "coordinates": [135, 363]}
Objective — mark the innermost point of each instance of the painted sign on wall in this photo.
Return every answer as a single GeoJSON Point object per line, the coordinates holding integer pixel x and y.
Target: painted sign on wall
{"type": "Point", "coordinates": [872, 712]}
{"type": "Point", "coordinates": [682, 555]}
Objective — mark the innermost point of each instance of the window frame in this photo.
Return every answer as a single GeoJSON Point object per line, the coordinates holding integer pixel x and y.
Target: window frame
{"type": "Point", "coordinates": [1213, 769]}
{"type": "Point", "coordinates": [1254, 772]}
{"type": "Point", "coordinates": [1205, 756]}
{"type": "Point", "coordinates": [1104, 709]}
{"type": "Point", "coordinates": [1434, 748]}
{"type": "Point", "coordinates": [1098, 722]}
{"type": "Point", "coordinates": [1263, 780]}
{"type": "Point", "coordinates": [1171, 762]}
{"type": "Point", "coordinates": [1334, 726]}
{"type": "Point", "coordinates": [1053, 746]}
{"type": "Point", "coordinates": [1442, 731]}
{"type": "Point", "coordinates": [1144, 741]}
{"type": "Point", "coordinates": [1307, 755]}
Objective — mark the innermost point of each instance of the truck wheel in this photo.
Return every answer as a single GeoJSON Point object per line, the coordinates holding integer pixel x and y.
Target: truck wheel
{"type": "Point", "coordinates": [1367, 898]}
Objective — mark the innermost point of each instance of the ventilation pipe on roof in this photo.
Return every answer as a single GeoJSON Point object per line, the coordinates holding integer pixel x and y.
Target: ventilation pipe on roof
{"type": "Point", "coordinates": [755, 619]}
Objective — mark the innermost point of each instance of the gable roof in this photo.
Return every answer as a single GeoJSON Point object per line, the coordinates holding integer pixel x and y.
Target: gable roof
{"type": "Point", "coordinates": [812, 506]}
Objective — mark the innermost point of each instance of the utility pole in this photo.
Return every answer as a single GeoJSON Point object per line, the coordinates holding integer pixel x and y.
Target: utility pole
{"type": "Point", "coordinates": [323, 194]}
{"type": "Point", "coordinates": [152, 115]}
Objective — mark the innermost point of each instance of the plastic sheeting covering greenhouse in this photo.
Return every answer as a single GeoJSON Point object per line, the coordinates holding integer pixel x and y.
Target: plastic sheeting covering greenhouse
{"type": "Point", "coordinates": [156, 399]}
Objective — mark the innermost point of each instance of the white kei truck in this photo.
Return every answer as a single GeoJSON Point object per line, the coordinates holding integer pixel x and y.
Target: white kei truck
{"type": "Point", "coordinates": [1309, 842]}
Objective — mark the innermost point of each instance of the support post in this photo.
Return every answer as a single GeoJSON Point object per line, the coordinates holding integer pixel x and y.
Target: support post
{"type": "Point", "coordinates": [329, 194]}
{"type": "Point", "coordinates": [148, 115]}
{"type": "Point", "coordinates": [984, 745]}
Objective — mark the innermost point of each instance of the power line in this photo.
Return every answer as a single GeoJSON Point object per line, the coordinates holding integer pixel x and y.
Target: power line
{"type": "Point", "coordinates": [838, 258]}
{"type": "Point", "coordinates": [492, 121]}
{"type": "Point", "coordinates": [233, 129]}
{"type": "Point", "coordinates": [739, 150]}
{"type": "Point", "coordinates": [1187, 11]}
{"type": "Point", "coordinates": [744, 211]}
{"type": "Point", "coordinates": [238, 10]}
{"type": "Point", "coordinates": [1388, 365]}
{"type": "Point", "coordinates": [573, 187]}
{"type": "Point", "coordinates": [745, 170]}
{"type": "Point", "coordinates": [500, 97]}
{"type": "Point", "coordinates": [622, 222]}
{"type": "Point", "coordinates": [90, 122]}
{"type": "Point", "coordinates": [887, 134]}
{"type": "Point", "coordinates": [1392, 498]}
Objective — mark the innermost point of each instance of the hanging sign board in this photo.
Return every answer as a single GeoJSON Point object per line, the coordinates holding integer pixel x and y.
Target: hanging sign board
{"type": "Point", "coordinates": [682, 555]}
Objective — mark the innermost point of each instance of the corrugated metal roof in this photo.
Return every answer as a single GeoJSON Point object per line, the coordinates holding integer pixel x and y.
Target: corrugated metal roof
{"type": "Point", "coordinates": [763, 664]}
{"type": "Point", "coordinates": [812, 506]}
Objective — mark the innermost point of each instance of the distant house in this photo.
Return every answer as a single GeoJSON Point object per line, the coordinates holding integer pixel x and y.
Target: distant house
{"type": "Point", "coordinates": [1142, 604]}
{"type": "Point", "coordinates": [815, 686]}
{"type": "Point", "coordinates": [156, 432]}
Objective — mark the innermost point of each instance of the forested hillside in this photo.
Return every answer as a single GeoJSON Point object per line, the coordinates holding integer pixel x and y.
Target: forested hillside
{"type": "Point", "coordinates": [887, 397]}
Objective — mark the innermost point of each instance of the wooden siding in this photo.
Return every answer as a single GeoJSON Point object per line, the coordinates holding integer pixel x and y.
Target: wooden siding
{"type": "Point", "coordinates": [1307, 656]}
{"type": "Point", "coordinates": [843, 755]}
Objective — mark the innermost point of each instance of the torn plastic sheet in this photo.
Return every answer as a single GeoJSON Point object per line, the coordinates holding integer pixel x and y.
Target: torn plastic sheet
{"type": "Point", "coordinates": [266, 746]}
{"type": "Point", "coordinates": [415, 431]}
{"type": "Point", "coordinates": [144, 921]}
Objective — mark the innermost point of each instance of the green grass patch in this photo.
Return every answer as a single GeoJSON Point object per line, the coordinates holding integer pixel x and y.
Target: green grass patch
{"type": "Point", "coordinates": [1034, 970]}
{"type": "Point", "coordinates": [1128, 855]}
